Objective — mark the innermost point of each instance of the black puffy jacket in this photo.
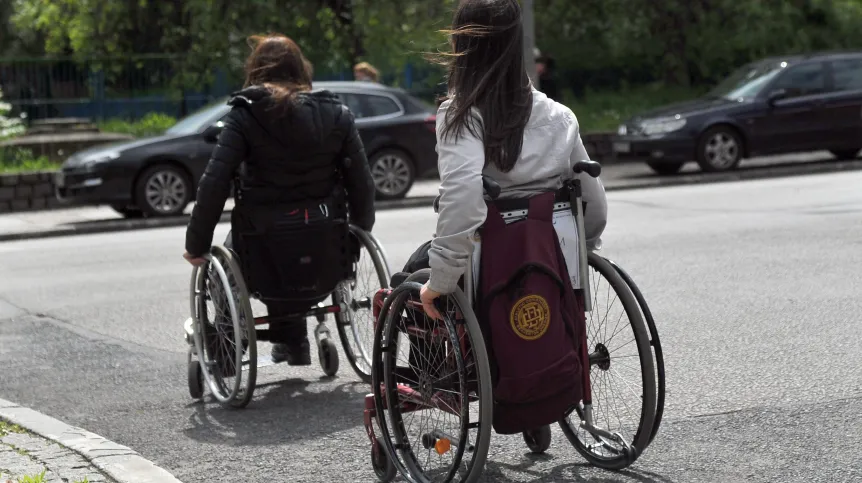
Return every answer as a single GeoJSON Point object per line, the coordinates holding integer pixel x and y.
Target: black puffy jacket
{"type": "Point", "coordinates": [287, 158]}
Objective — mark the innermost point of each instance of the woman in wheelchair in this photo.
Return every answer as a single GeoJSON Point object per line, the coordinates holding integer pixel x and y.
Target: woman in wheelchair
{"type": "Point", "coordinates": [495, 123]}
{"type": "Point", "coordinates": [298, 166]}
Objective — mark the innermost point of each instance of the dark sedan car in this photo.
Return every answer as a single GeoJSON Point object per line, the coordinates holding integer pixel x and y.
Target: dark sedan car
{"type": "Point", "coordinates": [773, 106]}
{"type": "Point", "coordinates": [158, 176]}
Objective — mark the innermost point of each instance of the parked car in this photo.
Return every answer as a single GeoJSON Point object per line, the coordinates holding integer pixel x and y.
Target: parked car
{"type": "Point", "coordinates": [158, 176]}
{"type": "Point", "coordinates": [772, 106]}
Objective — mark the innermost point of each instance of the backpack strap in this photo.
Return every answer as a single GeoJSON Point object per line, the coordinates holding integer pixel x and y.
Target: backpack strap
{"type": "Point", "coordinates": [542, 207]}
{"type": "Point", "coordinates": [493, 220]}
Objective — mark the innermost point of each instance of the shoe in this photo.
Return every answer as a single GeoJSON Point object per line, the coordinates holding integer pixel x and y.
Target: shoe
{"type": "Point", "coordinates": [296, 353]}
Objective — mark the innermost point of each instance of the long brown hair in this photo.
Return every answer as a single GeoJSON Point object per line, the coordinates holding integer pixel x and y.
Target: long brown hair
{"type": "Point", "coordinates": [276, 62]}
{"type": "Point", "coordinates": [486, 70]}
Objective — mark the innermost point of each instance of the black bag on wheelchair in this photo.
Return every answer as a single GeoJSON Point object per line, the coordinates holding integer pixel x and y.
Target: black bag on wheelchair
{"type": "Point", "coordinates": [293, 252]}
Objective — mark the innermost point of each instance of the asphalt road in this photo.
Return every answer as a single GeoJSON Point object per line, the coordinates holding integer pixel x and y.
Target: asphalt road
{"type": "Point", "coordinates": [755, 287]}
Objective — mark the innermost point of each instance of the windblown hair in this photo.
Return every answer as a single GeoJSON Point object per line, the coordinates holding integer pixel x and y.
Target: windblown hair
{"type": "Point", "coordinates": [276, 62]}
{"type": "Point", "coordinates": [486, 71]}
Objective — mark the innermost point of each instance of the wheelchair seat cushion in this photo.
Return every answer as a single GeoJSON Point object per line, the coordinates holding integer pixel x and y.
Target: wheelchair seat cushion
{"type": "Point", "coordinates": [293, 253]}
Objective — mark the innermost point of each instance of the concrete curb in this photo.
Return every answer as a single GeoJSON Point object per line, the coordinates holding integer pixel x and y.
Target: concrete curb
{"type": "Point", "coordinates": [143, 224]}
{"type": "Point", "coordinates": [117, 461]}
{"type": "Point", "coordinates": [425, 201]}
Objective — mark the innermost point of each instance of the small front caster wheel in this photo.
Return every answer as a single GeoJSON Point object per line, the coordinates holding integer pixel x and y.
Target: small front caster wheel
{"type": "Point", "coordinates": [196, 379]}
{"type": "Point", "coordinates": [328, 354]}
{"type": "Point", "coordinates": [538, 440]}
{"type": "Point", "coordinates": [383, 467]}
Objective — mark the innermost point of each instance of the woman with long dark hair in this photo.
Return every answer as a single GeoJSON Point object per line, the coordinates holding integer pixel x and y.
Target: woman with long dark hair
{"type": "Point", "coordinates": [494, 122]}
{"type": "Point", "coordinates": [291, 149]}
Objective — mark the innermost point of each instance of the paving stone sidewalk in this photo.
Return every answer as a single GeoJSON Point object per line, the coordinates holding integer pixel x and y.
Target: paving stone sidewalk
{"type": "Point", "coordinates": [28, 458]}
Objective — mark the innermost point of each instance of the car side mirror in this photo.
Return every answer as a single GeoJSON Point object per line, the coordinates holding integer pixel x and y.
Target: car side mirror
{"type": "Point", "coordinates": [776, 96]}
{"type": "Point", "coordinates": [212, 132]}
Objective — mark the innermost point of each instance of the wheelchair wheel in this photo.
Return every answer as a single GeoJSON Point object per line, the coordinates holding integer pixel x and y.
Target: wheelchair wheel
{"type": "Point", "coordinates": [356, 326]}
{"type": "Point", "coordinates": [224, 333]}
{"type": "Point", "coordinates": [655, 342]}
{"type": "Point", "coordinates": [623, 403]}
{"type": "Point", "coordinates": [538, 440]}
{"type": "Point", "coordinates": [437, 372]}
{"type": "Point", "coordinates": [195, 377]}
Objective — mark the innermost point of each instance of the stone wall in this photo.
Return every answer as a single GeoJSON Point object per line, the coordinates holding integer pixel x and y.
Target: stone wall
{"type": "Point", "coordinates": [27, 191]}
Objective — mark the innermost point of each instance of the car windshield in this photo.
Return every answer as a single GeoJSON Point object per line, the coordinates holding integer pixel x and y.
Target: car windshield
{"type": "Point", "coordinates": [197, 120]}
{"type": "Point", "coordinates": [748, 81]}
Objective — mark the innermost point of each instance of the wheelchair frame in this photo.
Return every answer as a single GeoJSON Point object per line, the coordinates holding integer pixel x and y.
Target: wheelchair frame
{"type": "Point", "coordinates": [383, 453]}
{"type": "Point", "coordinates": [327, 350]}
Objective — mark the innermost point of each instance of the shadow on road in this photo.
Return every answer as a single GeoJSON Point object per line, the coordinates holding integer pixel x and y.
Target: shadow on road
{"type": "Point", "coordinates": [566, 473]}
{"type": "Point", "coordinates": [281, 411]}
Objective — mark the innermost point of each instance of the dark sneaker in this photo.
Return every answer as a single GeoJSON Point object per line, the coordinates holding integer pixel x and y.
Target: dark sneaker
{"type": "Point", "coordinates": [296, 354]}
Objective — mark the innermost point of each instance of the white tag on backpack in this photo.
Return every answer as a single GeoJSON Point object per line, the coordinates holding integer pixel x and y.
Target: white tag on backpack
{"type": "Point", "coordinates": [567, 233]}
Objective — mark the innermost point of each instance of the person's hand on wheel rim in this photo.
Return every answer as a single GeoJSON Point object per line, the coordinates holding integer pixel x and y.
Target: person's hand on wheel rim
{"type": "Point", "coordinates": [428, 296]}
{"type": "Point", "coordinates": [196, 261]}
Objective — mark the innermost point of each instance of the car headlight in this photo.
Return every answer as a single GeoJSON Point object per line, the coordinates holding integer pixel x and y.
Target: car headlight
{"type": "Point", "coordinates": [99, 159]}
{"type": "Point", "coordinates": [662, 126]}
{"type": "Point", "coordinates": [622, 130]}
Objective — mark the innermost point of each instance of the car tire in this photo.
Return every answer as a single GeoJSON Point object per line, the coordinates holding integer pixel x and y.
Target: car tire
{"type": "Point", "coordinates": [163, 190]}
{"type": "Point", "coordinates": [720, 149]}
{"type": "Point", "coordinates": [127, 211]}
{"type": "Point", "coordinates": [845, 154]}
{"type": "Point", "coordinates": [393, 173]}
{"type": "Point", "coordinates": [665, 169]}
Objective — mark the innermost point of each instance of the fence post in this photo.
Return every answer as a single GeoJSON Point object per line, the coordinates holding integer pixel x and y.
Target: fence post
{"type": "Point", "coordinates": [97, 84]}
{"type": "Point", "coordinates": [408, 76]}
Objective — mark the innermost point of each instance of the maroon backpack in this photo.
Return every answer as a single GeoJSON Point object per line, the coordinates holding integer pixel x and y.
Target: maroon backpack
{"type": "Point", "coordinates": [532, 321]}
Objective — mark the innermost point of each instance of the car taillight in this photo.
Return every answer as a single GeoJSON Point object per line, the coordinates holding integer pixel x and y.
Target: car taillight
{"type": "Point", "coordinates": [431, 123]}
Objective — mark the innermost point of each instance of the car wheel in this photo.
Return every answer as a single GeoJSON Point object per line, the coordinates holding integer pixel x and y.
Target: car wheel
{"type": "Point", "coordinates": [665, 168]}
{"type": "Point", "coordinates": [845, 154]}
{"type": "Point", "coordinates": [720, 149]}
{"type": "Point", "coordinates": [163, 190]}
{"type": "Point", "coordinates": [127, 211]}
{"type": "Point", "coordinates": [393, 174]}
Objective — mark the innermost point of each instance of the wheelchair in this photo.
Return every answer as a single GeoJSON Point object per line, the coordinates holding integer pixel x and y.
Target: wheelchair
{"type": "Point", "coordinates": [222, 329]}
{"type": "Point", "coordinates": [457, 396]}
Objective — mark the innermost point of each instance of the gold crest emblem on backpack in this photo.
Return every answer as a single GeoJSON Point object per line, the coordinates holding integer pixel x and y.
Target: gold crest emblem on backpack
{"type": "Point", "coordinates": [530, 317]}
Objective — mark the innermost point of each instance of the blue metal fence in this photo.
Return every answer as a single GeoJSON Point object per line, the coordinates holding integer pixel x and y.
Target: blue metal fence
{"type": "Point", "coordinates": [131, 87]}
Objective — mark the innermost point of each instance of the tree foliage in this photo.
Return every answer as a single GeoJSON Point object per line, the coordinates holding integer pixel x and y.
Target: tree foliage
{"type": "Point", "coordinates": [595, 42]}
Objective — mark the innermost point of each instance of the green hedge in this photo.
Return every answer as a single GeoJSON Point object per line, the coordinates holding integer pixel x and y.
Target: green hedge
{"type": "Point", "coordinates": [152, 124]}
{"type": "Point", "coordinates": [20, 160]}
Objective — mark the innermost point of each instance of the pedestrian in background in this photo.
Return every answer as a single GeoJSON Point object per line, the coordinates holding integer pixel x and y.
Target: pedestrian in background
{"type": "Point", "coordinates": [366, 72]}
{"type": "Point", "coordinates": [547, 77]}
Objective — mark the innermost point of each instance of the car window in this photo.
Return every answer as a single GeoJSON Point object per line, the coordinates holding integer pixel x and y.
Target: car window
{"type": "Point", "coordinates": [847, 74]}
{"type": "Point", "coordinates": [802, 80]}
{"type": "Point", "coordinates": [379, 105]}
{"type": "Point", "coordinates": [200, 119]}
{"type": "Point", "coordinates": [353, 103]}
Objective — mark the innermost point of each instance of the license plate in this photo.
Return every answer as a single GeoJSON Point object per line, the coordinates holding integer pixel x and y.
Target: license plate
{"type": "Point", "coordinates": [622, 147]}
{"type": "Point", "coordinates": [59, 179]}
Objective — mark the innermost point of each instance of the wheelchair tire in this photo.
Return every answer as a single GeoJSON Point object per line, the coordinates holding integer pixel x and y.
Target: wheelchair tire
{"type": "Point", "coordinates": [538, 440]}
{"type": "Point", "coordinates": [213, 338]}
{"type": "Point", "coordinates": [655, 342]}
{"type": "Point", "coordinates": [328, 354]}
{"type": "Point", "coordinates": [195, 378]}
{"type": "Point", "coordinates": [356, 327]}
{"type": "Point", "coordinates": [471, 368]}
{"type": "Point", "coordinates": [383, 467]}
{"type": "Point", "coordinates": [585, 442]}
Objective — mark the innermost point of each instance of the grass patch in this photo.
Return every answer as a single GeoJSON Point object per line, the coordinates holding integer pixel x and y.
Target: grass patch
{"type": "Point", "coordinates": [38, 478]}
{"type": "Point", "coordinates": [606, 110]}
{"type": "Point", "coordinates": [152, 124]}
{"type": "Point", "coordinates": [6, 428]}
{"type": "Point", "coordinates": [18, 160]}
